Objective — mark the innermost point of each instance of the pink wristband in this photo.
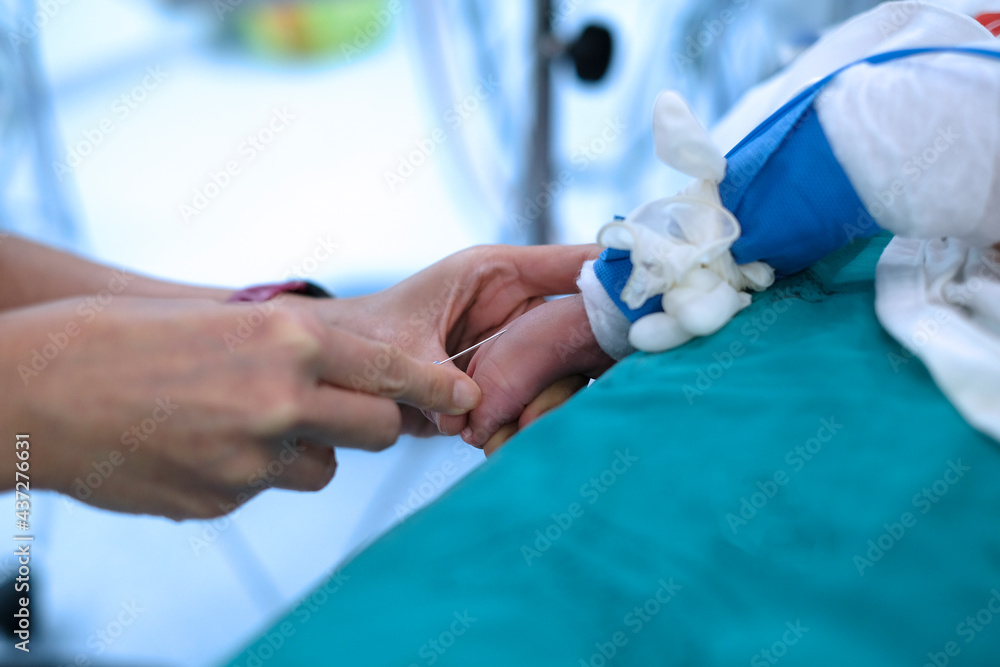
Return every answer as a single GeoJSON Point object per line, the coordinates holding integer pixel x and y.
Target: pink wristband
{"type": "Point", "coordinates": [260, 293]}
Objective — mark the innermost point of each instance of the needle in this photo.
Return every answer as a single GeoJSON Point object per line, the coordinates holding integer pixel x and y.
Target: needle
{"type": "Point", "coordinates": [464, 352]}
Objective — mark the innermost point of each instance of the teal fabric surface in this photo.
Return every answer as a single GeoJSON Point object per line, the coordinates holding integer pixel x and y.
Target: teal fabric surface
{"type": "Point", "coordinates": [793, 490]}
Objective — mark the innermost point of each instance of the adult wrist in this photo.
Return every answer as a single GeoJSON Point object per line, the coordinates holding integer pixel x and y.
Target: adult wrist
{"type": "Point", "coordinates": [268, 291]}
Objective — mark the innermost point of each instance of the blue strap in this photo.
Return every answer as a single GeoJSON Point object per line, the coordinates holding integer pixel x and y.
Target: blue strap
{"type": "Point", "coordinates": [794, 202]}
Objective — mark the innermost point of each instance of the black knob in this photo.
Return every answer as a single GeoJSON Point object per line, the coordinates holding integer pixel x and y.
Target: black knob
{"type": "Point", "coordinates": [591, 53]}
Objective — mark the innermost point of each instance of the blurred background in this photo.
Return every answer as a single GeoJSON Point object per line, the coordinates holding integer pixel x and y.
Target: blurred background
{"type": "Point", "coordinates": [352, 142]}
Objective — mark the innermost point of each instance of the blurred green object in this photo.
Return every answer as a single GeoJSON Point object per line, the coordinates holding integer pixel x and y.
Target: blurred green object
{"type": "Point", "coordinates": [317, 28]}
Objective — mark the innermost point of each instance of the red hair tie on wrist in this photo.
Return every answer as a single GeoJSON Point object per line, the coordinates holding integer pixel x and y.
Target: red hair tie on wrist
{"type": "Point", "coordinates": [261, 293]}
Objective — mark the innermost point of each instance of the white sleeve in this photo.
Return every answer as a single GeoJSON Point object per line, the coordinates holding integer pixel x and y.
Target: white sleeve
{"type": "Point", "coordinates": [919, 139]}
{"type": "Point", "coordinates": [609, 325]}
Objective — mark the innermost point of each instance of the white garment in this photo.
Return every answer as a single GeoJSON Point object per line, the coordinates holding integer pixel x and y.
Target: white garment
{"type": "Point", "coordinates": [970, 7]}
{"type": "Point", "coordinates": [919, 139]}
{"type": "Point", "coordinates": [941, 300]}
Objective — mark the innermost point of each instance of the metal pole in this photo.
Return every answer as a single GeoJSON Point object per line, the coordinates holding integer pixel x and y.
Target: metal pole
{"type": "Point", "coordinates": [539, 174]}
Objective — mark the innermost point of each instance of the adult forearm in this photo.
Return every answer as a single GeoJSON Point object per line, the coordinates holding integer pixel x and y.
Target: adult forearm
{"type": "Point", "coordinates": [31, 273]}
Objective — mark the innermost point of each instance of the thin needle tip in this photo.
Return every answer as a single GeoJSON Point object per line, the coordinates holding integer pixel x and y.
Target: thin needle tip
{"type": "Point", "coordinates": [464, 352]}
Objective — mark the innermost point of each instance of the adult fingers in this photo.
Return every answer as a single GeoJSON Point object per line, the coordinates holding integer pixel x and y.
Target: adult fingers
{"type": "Point", "coordinates": [300, 465]}
{"type": "Point", "coordinates": [349, 361]}
{"type": "Point", "coordinates": [552, 270]}
{"type": "Point", "coordinates": [333, 417]}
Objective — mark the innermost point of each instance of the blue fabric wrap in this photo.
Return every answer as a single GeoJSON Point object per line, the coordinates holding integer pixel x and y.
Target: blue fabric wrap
{"type": "Point", "coordinates": [791, 217]}
{"type": "Point", "coordinates": [613, 268]}
{"type": "Point", "coordinates": [792, 198]}
{"type": "Point", "coordinates": [783, 183]}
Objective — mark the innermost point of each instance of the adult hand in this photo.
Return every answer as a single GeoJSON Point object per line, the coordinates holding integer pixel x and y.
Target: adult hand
{"type": "Point", "coordinates": [188, 408]}
{"type": "Point", "coordinates": [456, 303]}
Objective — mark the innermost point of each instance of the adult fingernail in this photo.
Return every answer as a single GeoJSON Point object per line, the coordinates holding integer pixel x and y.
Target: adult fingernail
{"type": "Point", "coordinates": [466, 395]}
{"type": "Point", "coordinates": [467, 434]}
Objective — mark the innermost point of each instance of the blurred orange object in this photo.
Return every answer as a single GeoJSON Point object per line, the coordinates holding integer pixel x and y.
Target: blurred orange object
{"type": "Point", "coordinates": [306, 28]}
